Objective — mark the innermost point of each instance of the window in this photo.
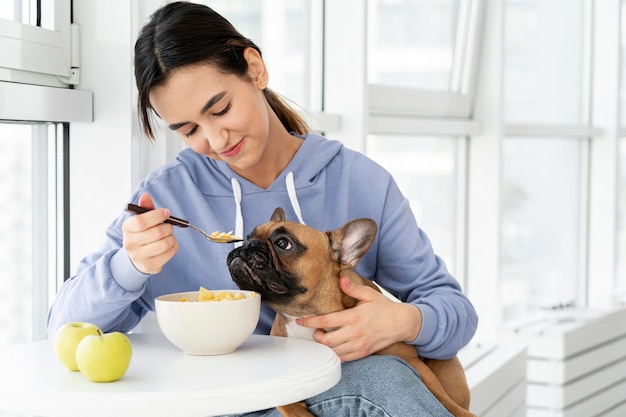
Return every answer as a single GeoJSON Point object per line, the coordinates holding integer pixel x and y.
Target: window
{"type": "Point", "coordinates": [34, 165]}
{"type": "Point", "coordinates": [544, 54]}
{"type": "Point", "coordinates": [544, 173]}
{"type": "Point", "coordinates": [23, 11]}
{"type": "Point", "coordinates": [430, 174]}
{"type": "Point", "coordinates": [32, 243]}
{"type": "Point", "coordinates": [620, 269]}
{"type": "Point", "coordinates": [15, 239]}
{"type": "Point", "coordinates": [541, 224]}
{"type": "Point", "coordinates": [621, 222]}
{"type": "Point", "coordinates": [36, 61]}
{"type": "Point", "coordinates": [423, 56]}
{"type": "Point", "coordinates": [412, 43]}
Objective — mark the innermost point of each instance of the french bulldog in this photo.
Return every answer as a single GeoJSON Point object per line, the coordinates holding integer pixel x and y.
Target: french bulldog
{"type": "Point", "coordinates": [296, 269]}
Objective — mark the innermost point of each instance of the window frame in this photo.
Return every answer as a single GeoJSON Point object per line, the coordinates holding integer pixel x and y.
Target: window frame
{"type": "Point", "coordinates": [54, 104]}
{"type": "Point", "coordinates": [35, 55]}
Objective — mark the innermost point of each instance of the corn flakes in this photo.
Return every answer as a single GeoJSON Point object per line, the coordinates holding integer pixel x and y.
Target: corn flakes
{"type": "Point", "coordinates": [208, 295]}
{"type": "Point", "coordinates": [224, 236]}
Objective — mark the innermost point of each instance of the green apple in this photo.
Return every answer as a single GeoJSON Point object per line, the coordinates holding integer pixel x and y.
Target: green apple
{"type": "Point", "coordinates": [67, 338]}
{"type": "Point", "coordinates": [104, 357]}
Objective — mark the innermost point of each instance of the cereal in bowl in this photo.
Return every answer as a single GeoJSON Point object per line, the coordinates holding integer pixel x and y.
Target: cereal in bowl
{"type": "Point", "coordinates": [208, 295]}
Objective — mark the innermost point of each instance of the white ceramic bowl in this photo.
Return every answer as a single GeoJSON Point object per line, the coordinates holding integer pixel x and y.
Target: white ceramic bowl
{"type": "Point", "coordinates": [207, 327]}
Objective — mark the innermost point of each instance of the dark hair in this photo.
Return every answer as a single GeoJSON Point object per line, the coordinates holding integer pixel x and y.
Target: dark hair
{"type": "Point", "coordinates": [184, 33]}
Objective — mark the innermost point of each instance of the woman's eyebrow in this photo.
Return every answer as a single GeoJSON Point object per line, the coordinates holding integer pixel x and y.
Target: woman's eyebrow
{"type": "Point", "coordinates": [212, 102]}
{"type": "Point", "coordinates": [207, 106]}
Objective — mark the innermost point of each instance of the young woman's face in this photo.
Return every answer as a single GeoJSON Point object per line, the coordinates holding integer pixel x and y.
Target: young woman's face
{"type": "Point", "coordinates": [218, 115]}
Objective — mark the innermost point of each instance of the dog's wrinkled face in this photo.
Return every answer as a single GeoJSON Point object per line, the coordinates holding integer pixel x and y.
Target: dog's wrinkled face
{"type": "Point", "coordinates": [291, 264]}
{"type": "Point", "coordinates": [275, 261]}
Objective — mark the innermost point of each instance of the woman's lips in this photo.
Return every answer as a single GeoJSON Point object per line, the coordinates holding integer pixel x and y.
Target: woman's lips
{"type": "Point", "coordinates": [232, 151]}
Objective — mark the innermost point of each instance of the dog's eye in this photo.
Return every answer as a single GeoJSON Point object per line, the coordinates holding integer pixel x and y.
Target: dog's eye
{"type": "Point", "coordinates": [283, 243]}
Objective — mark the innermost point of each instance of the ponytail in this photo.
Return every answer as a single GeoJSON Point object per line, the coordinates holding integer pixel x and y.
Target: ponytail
{"type": "Point", "coordinates": [289, 118]}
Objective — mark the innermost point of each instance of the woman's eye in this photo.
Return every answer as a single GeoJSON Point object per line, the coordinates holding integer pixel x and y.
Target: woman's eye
{"type": "Point", "coordinates": [283, 243]}
{"type": "Point", "coordinates": [223, 112]}
{"type": "Point", "coordinates": [191, 132]}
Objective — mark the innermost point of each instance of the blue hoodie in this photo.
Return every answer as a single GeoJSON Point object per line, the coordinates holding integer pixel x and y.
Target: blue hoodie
{"type": "Point", "coordinates": [324, 186]}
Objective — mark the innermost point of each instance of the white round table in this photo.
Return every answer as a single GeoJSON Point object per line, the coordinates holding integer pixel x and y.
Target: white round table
{"type": "Point", "coordinates": [264, 372]}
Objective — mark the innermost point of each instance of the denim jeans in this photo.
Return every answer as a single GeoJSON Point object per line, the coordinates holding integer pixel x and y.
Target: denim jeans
{"type": "Point", "coordinates": [376, 386]}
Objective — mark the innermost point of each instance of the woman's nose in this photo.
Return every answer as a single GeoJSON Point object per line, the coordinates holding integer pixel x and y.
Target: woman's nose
{"type": "Point", "coordinates": [216, 136]}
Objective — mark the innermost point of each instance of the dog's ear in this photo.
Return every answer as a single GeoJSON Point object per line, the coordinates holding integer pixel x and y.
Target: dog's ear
{"type": "Point", "coordinates": [278, 215]}
{"type": "Point", "coordinates": [352, 240]}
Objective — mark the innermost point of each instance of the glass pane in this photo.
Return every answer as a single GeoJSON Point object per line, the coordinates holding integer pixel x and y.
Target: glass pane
{"type": "Point", "coordinates": [17, 11]}
{"type": "Point", "coordinates": [411, 43]}
{"type": "Point", "coordinates": [283, 31]}
{"type": "Point", "coordinates": [621, 222]}
{"type": "Point", "coordinates": [16, 252]}
{"type": "Point", "coordinates": [540, 223]}
{"type": "Point", "coordinates": [543, 54]}
{"type": "Point", "coordinates": [623, 64]}
{"type": "Point", "coordinates": [31, 247]}
{"type": "Point", "coordinates": [426, 170]}
{"type": "Point", "coordinates": [25, 11]}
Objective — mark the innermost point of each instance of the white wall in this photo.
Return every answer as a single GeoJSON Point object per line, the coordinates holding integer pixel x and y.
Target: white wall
{"type": "Point", "coordinates": [100, 152]}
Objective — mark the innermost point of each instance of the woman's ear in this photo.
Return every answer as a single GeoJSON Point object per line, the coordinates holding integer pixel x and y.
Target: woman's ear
{"type": "Point", "coordinates": [257, 71]}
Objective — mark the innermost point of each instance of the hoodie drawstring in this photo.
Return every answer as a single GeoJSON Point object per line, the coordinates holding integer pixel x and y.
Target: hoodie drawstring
{"type": "Point", "coordinates": [293, 198]}
{"type": "Point", "coordinates": [238, 215]}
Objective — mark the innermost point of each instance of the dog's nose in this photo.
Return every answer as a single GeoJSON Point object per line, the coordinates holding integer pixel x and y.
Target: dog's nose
{"type": "Point", "coordinates": [253, 243]}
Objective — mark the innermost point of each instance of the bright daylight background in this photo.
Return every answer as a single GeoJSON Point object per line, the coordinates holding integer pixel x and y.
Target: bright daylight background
{"type": "Point", "coordinates": [503, 123]}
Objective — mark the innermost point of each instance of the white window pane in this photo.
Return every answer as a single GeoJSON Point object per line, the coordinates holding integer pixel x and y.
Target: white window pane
{"type": "Point", "coordinates": [543, 61]}
{"type": "Point", "coordinates": [16, 234]}
{"type": "Point", "coordinates": [7, 11]}
{"type": "Point", "coordinates": [623, 65]}
{"type": "Point", "coordinates": [18, 11]}
{"type": "Point", "coordinates": [426, 170]}
{"type": "Point", "coordinates": [25, 11]}
{"type": "Point", "coordinates": [411, 43]}
{"type": "Point", "coordinates": [540, 211]}
{"type": "Point", "coordinates": [621, 221]}
{"type": "Point", "coordinates": [31, 239]}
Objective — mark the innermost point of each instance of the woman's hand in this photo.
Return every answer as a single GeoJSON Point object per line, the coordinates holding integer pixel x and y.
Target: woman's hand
{"type": "Point", "coordinates": [150, 243]}
{"type": "Point", "coordinates": [373, 324]}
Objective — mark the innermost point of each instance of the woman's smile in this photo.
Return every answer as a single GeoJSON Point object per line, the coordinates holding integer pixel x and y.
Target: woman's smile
{"type": "Point", "coordinates": [233, 150]}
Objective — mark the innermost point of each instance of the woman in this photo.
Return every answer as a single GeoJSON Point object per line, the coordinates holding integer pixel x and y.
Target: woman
{"type": "Point", "coordinates": [248, 154]}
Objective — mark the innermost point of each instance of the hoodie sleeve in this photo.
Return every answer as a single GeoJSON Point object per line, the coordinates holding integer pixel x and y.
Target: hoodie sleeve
{"type": "Point", "coordinates": [408, 267]}
{"type": "Point", "coordinates": [104, 291]}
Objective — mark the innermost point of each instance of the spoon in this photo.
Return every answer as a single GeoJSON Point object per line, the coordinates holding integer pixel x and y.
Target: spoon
{"type": "Point", "coordinates": [176, 221]}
